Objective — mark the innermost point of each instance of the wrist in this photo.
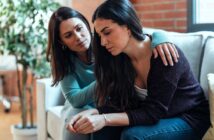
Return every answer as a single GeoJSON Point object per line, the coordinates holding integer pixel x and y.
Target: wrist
{"type": "Point", "coordinates": [105, 119]}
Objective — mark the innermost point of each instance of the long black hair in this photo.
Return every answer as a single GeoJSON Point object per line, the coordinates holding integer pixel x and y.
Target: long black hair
{"type": "Point", "coordinates": [116, 74]}
{"type": "Point", "coordinates": [62, 58]}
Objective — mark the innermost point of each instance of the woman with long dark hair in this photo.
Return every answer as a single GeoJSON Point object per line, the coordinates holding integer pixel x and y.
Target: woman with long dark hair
{"type": "Point", "coordinates": [70, 54]}
{"type": "Point", "coordinates": [136, 92]}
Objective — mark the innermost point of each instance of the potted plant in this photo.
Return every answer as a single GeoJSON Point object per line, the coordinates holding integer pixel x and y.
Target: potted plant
{"type": "Point", "coordinates": [23, 33]}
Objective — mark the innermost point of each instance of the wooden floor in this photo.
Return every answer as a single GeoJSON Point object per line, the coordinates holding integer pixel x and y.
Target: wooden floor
{"type": "Point", "coordinates": [8, 119]}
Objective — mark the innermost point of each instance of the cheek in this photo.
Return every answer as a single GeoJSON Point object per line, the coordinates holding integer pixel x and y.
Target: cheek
{"type": "Point", "coordinates": [88, 35]}
{"type": "Point", "coordinates": [69, 42]}
{"type": "Point", "coordinates": [122, 40]}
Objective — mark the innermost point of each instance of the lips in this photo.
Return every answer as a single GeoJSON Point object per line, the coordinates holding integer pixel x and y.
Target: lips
{"type": "Point", "coordinates": [81, 43]}
{"type": "Point", "coordinates": [109, 49]}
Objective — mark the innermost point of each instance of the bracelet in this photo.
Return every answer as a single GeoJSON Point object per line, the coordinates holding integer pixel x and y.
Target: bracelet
{"type": "Point", "coordinates": [105, 118]}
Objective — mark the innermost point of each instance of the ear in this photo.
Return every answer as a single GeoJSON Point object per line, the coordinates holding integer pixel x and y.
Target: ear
{"type": "Point", "coordinates": [129, 31]}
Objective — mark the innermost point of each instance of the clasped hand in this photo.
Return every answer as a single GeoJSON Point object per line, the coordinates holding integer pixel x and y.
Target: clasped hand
{"type": "Point", "coordinates": [87, 121]}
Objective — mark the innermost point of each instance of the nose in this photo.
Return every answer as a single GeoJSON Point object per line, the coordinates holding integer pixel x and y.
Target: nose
{"type": "Point", "coordinates": [104, 41]}
{"type": "Point", "coordinates": [78, 35]}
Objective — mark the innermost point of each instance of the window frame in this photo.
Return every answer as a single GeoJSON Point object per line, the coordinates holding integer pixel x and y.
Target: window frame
{"type": "Point", "coordinates": [192, 26]}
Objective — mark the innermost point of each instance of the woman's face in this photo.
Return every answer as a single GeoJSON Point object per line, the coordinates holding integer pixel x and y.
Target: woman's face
{"type": "Point", "coordinates": [75, 35]}
{"type": "Point", "coordinates": [114, 37]}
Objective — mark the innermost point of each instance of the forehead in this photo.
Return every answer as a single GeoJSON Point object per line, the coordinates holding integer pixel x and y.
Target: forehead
{"type": "Point", "coordinates": [70, 23]}
{"type": "Point", "coordinates": [99, 24]}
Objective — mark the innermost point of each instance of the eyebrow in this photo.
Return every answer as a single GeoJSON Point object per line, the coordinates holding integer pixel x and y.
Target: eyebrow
{"type": "Point", "coordinates": [104, 29]}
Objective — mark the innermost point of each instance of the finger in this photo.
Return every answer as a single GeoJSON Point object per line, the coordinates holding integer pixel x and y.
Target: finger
{"type": "Point", "coordinates": [70, 128]}
{"type": "Point", "coordinates": [74, 119]}
{"type": "Point", "coordinates": [70, 125]}
{"type": "Point", "coordinates": [161, 53]}
{"type": "Point", "coordinates": [80, 122]}
{"type": "Point", "coordinates": [176, 51]}
{"type": "Point", "coordinates": [155, 53]}
{"type": "Point", "coordinates": [88, 129]}
{"type": "Point", "coordinates": [167, 54]}
{"type": "Point", "coordinates": [172, 51]}
{"type": "Point", "coordinates": [83, 127]}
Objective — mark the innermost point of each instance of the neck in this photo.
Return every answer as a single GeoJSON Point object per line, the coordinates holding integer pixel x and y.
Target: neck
{"type": "Point", "coordinates": [138, 50]}
{"type": "Point", "coordinates": [83, 57]}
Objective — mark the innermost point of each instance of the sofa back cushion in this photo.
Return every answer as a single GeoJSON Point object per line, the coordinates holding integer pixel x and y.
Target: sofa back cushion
{"type": "Point", "coordinates": [207, 62]}
{"type": "Point", "coordinates": [191, 45]}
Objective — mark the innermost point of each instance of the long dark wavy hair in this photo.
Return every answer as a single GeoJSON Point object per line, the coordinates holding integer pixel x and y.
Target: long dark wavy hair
{"type": "Point", "coordinates": [116, 74]}
{"type": "Point", "coordinates": [62, 58]}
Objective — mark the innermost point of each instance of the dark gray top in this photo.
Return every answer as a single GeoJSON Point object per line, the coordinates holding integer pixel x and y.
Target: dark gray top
{"type": "Point", "coordinates": [172, 92]}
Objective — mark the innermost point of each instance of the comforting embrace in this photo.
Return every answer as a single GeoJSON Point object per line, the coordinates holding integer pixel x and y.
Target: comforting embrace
{"type": "Point", "coordinates": [130, 86]}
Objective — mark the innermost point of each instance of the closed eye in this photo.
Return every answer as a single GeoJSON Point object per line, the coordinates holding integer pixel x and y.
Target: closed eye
{"type": "Point", "coordinates": [79, 28]}
{"type": "Point", "coordinates": [106, 33]}
{"type": "Point", "coordinates": [68, 35]}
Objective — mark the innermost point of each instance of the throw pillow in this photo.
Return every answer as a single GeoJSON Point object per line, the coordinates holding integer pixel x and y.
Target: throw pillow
{"type": "Point", "coordinates": [210, 133]}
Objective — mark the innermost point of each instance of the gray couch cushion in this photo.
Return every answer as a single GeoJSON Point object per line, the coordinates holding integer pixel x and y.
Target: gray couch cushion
{"type": "Point", "coordinates": [192, 47]}
{"type": "Point", "coordinates": [207, 63]}
{"type": "Point", "coordinates": [190, 43]}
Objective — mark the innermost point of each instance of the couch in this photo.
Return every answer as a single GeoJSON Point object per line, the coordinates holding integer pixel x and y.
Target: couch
{"type": "Point", "coordinates": [198, 48]}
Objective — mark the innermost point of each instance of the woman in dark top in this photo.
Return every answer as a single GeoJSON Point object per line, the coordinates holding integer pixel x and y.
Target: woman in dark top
{"type": "Point", "coordinates": [134, 90]}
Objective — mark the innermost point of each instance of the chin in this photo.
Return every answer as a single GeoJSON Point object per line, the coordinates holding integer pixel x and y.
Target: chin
{"type": "Point", "coordinates": [114, 53]}
{"type": "Point", "coordinates": [85, 48]}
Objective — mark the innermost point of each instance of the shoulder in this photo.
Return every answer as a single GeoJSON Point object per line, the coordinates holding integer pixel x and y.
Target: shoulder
{"type": "Point", "coordinates": [68, 79]}
{"type": "Point", "coordinates": [157, 68]}
{"type": "Point", "coordinates": [157, 62]}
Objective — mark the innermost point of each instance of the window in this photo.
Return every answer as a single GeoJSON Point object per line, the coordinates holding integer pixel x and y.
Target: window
{"type": "Point", "coordinates": [200, 15]}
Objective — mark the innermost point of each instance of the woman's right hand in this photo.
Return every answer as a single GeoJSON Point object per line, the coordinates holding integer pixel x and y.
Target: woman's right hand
{"type": "Point", "coordinates": [75, 118]}
{"type": "Point", "coordinates": [167, 52]}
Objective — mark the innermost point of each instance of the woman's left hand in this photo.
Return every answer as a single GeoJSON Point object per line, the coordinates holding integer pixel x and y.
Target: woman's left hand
{"type": "Point", "coordinates": [167, 51]}
{"type": "Point", "coordinates": [87, 124]}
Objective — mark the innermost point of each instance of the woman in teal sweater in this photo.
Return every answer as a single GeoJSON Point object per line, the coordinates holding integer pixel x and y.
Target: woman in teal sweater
{"type": "Point", "coordinates": [70, 53]}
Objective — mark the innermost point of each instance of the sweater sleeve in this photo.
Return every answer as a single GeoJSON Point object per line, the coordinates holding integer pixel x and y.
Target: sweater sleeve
{"type": "Point", "coordinates": [158, 38]}
{"type": "Point", "coordinates": [162, 85]}
{"type": "Point", "coordinates": [77, 96]}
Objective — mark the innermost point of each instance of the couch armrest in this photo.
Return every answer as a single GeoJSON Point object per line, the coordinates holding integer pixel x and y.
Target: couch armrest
{"type": "Point", "coordinates": [210, 133]}
{"type": "Point", "coordinates": [47, 97]}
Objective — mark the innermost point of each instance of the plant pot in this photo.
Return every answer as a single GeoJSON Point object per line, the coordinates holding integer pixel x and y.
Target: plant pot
{"type": "Point", "coordinates": [23, 133]}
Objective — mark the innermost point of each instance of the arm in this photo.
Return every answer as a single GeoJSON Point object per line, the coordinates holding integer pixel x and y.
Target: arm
{"type": "Point", "coordinates": [162, 85]}
{"type": "Point", "coordinates": [163, 47]}
{"type": "Point", "coordinates": [90, 121]}
{"type": "Point", "coordinates": [76, 95]}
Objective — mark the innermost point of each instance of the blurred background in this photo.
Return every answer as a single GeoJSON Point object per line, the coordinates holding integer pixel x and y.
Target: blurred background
{"type": "Point", "coordinates": [23, 41]}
